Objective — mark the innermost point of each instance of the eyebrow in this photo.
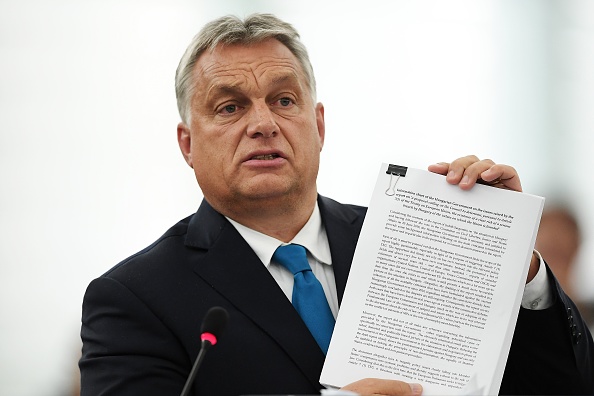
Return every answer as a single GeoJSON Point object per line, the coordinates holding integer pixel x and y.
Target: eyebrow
{"type": "Point", "coordinates": [225, 88]}
{"type": "Point", "coordinates": [285, 77]}
{"type": "Point", "coordinates": [222, 88]}
{"type": "Point", "coordinates": [291, 78]}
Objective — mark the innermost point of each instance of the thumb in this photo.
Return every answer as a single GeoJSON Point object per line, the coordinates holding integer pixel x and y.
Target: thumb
{"type": "Point", "coordinates": [384, 387]}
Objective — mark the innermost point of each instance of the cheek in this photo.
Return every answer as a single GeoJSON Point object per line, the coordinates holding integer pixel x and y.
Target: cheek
{"type": "Point", "coordinates": [209, 143]}
{"type": "Point", "coordinates": [302, 129]}
{"type": "Point", "coordinates": [314, 141]}
{"type": "Point", "coordinates": [208, 155]}
{"type": "Point", "coordinates": [213, 155]}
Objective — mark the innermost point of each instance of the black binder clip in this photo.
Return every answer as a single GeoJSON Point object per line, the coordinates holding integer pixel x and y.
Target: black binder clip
{"type": "Point", "coordinates": [395, 170]}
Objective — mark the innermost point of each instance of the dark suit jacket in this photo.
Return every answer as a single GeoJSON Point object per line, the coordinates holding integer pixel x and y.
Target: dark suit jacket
{"type": "Point", "coordinates": [141, 320]}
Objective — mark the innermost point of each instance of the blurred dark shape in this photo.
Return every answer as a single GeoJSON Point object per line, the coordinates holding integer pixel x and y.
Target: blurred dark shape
{"type": "Point", "coordinates": [559, 239]}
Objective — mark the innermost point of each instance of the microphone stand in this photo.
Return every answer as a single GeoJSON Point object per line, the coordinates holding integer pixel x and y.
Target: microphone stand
{"type": "Point", "coordinates": [203, 348]}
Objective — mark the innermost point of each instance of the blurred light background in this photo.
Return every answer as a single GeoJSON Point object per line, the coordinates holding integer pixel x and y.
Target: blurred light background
{"type": "Point", "coordinates": [90, 170]}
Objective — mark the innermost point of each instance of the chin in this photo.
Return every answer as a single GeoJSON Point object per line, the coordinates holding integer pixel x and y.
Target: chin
{"type": "Point", "coordinates": [273, 192]}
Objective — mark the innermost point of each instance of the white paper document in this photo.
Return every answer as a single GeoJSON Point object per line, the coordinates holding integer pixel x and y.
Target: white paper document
{"type": "Point", "coordinates": [435, 285]}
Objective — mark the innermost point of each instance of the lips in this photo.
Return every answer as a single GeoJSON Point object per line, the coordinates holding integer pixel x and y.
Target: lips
{"type": "Point", "coordinates": [265, 157]}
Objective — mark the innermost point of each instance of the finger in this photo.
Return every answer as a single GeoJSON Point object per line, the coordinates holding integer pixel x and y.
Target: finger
{"type": "Point", "coordinates": [440, 168]}
{"type": "Point", "coordinates": [469, 170]}
{"type": "Point", "coordinates": [472, 172]}
{"type": "Point", "coordinates": [455, 171]}
{"type": "Point", "coordinates": [502, 176]}
{"type": "Point", "coordinates": [384, 387]}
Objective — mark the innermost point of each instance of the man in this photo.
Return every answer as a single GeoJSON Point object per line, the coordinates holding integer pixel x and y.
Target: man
{"type": "Point", "coordinates": [252, 132]}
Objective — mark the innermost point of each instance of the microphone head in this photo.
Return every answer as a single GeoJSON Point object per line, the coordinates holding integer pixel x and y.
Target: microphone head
{"type": "Point", "coordinates": [213, 324]}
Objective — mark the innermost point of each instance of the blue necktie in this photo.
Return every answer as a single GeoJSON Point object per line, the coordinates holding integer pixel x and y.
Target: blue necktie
{"type": "Point", "coordinates": [308, 295]}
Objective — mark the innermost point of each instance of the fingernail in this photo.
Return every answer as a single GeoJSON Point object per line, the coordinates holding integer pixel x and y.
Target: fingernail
{"type": "Point", "coordinates": [416, 389]}
{"type": "Point", "coordinates": [451, 174]}
{"type": "Point", "coordinates": [487, 173]}
{"type": "Point", "coordinates": [464, 180]}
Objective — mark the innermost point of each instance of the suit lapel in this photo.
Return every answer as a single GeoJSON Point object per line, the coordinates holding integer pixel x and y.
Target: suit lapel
{"type": "Point", "coordinates": [232, 268]}
{"type": "Point", "coordinates": [342, 227]}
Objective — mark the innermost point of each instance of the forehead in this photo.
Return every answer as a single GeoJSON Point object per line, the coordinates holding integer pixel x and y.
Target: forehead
{"type": "Point", "coordinates": [236, 63]}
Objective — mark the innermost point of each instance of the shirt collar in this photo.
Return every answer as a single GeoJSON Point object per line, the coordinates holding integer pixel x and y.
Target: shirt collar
{"type": "Point", "coordinates": [312, 236]}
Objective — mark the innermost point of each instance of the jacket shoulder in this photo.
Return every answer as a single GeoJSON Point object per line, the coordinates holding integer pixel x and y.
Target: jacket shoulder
{"type": "Point", "coordinates": [174, 236]}
{"type": "Point", "coordinates": [347, 212]}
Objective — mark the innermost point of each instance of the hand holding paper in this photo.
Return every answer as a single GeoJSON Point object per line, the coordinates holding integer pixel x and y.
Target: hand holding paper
{"type": "Point", "coordinates": [467, 171]}
{"type": "Point", "coordinates": [436, 281]}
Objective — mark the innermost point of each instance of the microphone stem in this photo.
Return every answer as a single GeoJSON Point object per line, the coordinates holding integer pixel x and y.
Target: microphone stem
{"type": "Point", "coordinates": [190, 381]}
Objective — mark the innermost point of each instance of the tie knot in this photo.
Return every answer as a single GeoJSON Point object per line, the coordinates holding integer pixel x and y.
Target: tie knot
{"type": "Point", "coordinates": [292, 257]}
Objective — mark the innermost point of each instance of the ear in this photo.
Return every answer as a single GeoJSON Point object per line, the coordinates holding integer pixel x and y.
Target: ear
{"type": "Point", "coordinates": [184, 139]}
{"type": "Point", "coordinates": [321, 123]}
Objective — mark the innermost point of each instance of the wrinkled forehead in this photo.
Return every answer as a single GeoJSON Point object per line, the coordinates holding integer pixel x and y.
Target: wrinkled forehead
{"type": "Point", "coordinates": [269, 61]}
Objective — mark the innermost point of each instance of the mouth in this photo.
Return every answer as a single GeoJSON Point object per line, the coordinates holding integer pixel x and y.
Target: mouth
{"type": "Point", "coordinates": [265, 157]}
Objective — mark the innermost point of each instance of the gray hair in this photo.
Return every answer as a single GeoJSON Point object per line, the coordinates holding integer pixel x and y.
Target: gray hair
{"type": "Point", "coordinates": [232, 30]}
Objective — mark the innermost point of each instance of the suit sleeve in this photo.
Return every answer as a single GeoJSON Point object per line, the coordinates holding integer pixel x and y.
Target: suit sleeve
{"type": "Point", "coordinates": [552, 352]}
{"type": "Point", "coordinates": [127, 350]}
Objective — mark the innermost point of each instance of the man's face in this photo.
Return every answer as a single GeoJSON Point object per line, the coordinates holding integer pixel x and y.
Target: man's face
{"type": "Point", "coordinates": [255, 134]}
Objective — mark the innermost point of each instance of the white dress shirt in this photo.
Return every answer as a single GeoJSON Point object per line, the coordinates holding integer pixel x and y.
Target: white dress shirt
{"type": "Point", "coordinates": [537, 294]}
{"type": "Point", "coordinates": [313, 237]}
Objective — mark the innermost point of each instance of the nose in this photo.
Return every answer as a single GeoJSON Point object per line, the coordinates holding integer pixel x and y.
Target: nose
{"type": "Point", "coordinates": [261, 121]}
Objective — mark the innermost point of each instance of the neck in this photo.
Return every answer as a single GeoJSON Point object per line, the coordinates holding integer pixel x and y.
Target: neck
{"type": "Point", "coordinates": [280, 221]}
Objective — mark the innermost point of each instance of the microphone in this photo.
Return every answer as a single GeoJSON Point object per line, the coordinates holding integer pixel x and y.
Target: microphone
{"type": "Point", "coordinates": [213, 325]}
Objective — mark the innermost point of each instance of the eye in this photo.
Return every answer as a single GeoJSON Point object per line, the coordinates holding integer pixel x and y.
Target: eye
{"type": "Point", "coordinates": [284, 102]}
{"type": "Point", "coordinates": [229, 109]}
